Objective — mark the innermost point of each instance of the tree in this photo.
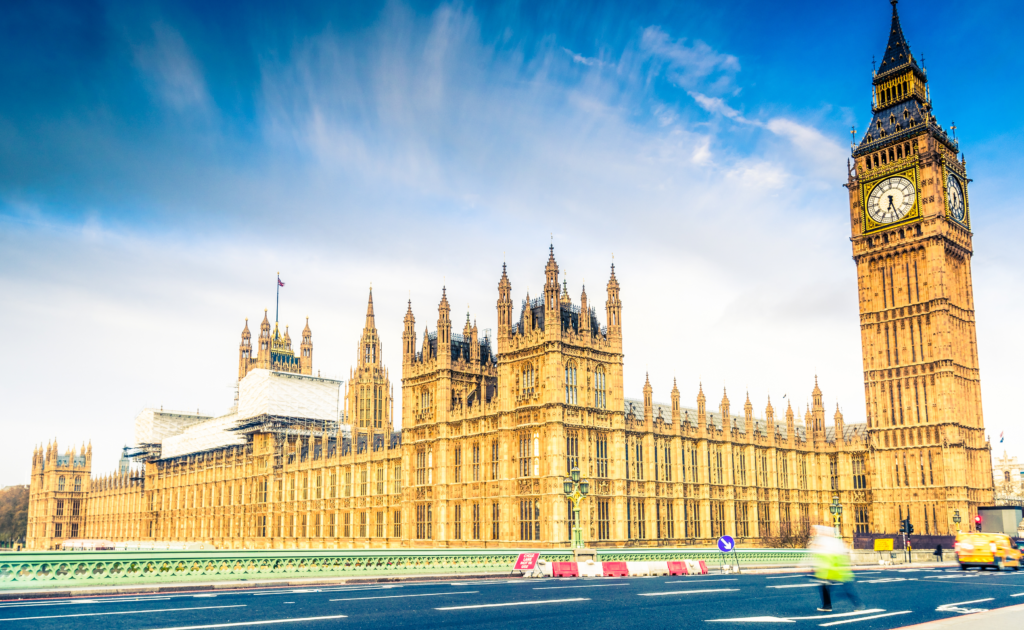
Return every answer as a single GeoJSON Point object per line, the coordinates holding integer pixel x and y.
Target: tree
{"type": "Point", "coordinates": [13, 515]}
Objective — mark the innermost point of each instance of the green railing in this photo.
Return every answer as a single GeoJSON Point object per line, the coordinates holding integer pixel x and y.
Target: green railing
{"type": "Point", "coordinates": [99, 568]}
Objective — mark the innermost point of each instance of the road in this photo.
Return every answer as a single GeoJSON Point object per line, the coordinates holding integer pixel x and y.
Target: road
{"type": "Point", "coordinates": [894, 598]}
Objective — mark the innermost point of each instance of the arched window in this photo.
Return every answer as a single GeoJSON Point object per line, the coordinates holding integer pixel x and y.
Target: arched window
{"type": "Point", "coordinates": [599, 388]}
{"type": "Point", "coordinates": [78, 484]}
{"type": "Point", "coordinates": [1006, 475]}
{"type": "Point", "coordinates": [60, 484]}
{"type": "Point", "coordinates": [528, 380]}
{"type": "Point", "coordinates": [570, 383]}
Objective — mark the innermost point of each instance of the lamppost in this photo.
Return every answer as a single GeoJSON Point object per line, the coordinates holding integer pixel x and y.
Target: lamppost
{"type": "Point", "coordinates": [956, 520]}
{"type": "Point", "coordinates": [575, 490]}
{"type": "Point", "coordinates": [837, 513]}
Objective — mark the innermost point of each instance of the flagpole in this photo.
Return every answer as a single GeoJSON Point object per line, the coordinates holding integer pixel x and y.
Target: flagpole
{"type": "Point", "coordinates": [277, 307]}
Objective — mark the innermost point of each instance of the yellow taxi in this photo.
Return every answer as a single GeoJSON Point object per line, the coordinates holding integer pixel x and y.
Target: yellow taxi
{"type": "Point", "coordinates": [975, 549]}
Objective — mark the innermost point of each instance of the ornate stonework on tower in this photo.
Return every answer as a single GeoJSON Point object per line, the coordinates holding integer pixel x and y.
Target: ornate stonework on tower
{"type": "Point", "coordinates": [911, 233]}
{"type": "Point", "coordinates": [369, 390]}
{"type": "Point", "coordinates": [274, 350]}
{"type": "Point", "coordinates": [58, 492]}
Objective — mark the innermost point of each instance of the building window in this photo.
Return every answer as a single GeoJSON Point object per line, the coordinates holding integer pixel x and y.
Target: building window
{"type": "Point", "coordinates": [380, 480]}
{"type": "Point", "coordinates": [570, 383]}
{"type": "Point", "coordinates": [60, 507]}
{"type": "Point", "coordinates": [570, 521]}
{"type": "Point", "coordinates": [332, 526]}
{"type": "Point", "coordinates": [602, 455]}
{"type": "Point", "coordinates": [380, 525]}
{"type": "Point", "coordinates": [529, 519]}
{"type": "Point", "coordinates": [742, 520]}
{"type": "Point", "coordinates": [833, 471]}
{"type": "Point", "coordinates": [529, 454]}
{"type": "Point", "coordinates": [666, 524]}
{"type": "Point", "coordinates": [717, 519]}
{"type": "Point", "coordinates": [739, 467]}
{"type": "Point", "coordinates": [861, 519]}
{"type": "Point", "coordinates": [457, 459]}
{"type": "Point", "coordinates": [860, 481]}
{"type": "Point", "coordinates": [600, 401]}
{"type": "Point", "coordinates": [457, 524]}
{"type": "Point", "coordinates": [362, 524]}
{"type": "Point", "coordinates": [693, 463]}
{"type": "Point", "coordinates": [60, 484]}
{"type": "Point", "coordinates": [495, 521]}
{"type": "Point", "coordinates": [764, 521]}
{"type": "Point", "coordinates": [363, 486]}
{"type": "Point", "coordinates": [348, 525]}
{"type": "Point", "coordinates": [397, 524]}
{"type": "Point", "coordinates": [421, 466]}
{"type": "Point", "coordinates": [603, 520]}
{"type": "Point", "coordinates": [261, 526]}
{"type": "Point", "coordinates": [527, 383]}
{"type": "Point", "coordinates": [666, 462]}
{"type": "Point", "coordinates": [74, 530]}
{"type": "Point", "coordinates": [424, 522]}
{"type": "Point", "coordinates": [397, 481]}
{"type": "Point", "coordinates": [476, 521]}
{"type": "Point", "coordinates": [803, 472]}
{"type": "Point", "coordinates": [783, 469]}
{"type": "Point", "coordinates": [572, 450]}
{"type": "Point", "coordinates": [58, 530]}
{"type": "Point", "coordinates": [475, 450]}
{"type": "Point", "coordinates": [636, 520]}
{"type": "Point", "coordinates": [75, 507]}
{"type": "Point", "coordinates": [494, 460]}
{"type": "Point", "coordinates": [634, 457]}
{"type": "Point", "coordinates": [715, 463]}
{"type": "Point", "coordinates": [78, 484]}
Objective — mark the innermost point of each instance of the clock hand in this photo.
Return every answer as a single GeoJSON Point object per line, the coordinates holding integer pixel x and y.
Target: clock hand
{"type": "Point", "coordinates": [891, 204]}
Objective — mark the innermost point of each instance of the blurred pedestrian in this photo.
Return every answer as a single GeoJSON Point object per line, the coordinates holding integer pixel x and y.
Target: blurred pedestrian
{"type": "Point", "coordinates": [938, 553]}
{"type": "Point", "coordinates": [832, 567]}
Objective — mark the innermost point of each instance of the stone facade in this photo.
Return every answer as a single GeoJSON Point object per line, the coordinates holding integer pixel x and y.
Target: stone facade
{"type": "Point", "coordinates": [491, 426]}
{"type": "Point", "coordinates": [910, 227]}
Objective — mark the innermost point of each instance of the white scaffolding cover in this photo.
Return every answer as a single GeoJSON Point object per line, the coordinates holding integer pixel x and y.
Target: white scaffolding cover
{"type": "Point", "coordinates": [214, 433]}
{"type": "Point", "coordinates": [153, 425]}
{"type": "Point", "coordinates": [266, 393]}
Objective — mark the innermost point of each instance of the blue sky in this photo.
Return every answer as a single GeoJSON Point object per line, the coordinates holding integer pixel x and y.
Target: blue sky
{"type": "Point", "coordinates": [159, 162]}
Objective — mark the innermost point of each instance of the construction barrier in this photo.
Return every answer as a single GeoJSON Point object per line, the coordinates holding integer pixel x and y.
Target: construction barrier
{"type": "Point", "coordinates": [614, 569]}
{"type": "Point", "coordinates": [677, 568]}
{"type": "Point", "coordinates": [565, 569]}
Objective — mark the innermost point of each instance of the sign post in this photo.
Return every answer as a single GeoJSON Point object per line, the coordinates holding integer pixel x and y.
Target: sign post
{"type": "Point", "coordinates": [727, 544]}
{"type": "Point", "coordinates": [525, 562]}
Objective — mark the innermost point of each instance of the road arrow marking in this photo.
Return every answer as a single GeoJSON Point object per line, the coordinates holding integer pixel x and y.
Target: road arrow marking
{"type": "Point", "coordinates": [836, 623]}
{"type": "Point", "coordinates": [958, 607]}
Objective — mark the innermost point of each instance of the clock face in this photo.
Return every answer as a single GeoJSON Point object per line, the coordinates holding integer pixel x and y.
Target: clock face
{"type": "Point", "coordinates": [955, 194]}
{"type": "Point", "coordinates": [891, 199]}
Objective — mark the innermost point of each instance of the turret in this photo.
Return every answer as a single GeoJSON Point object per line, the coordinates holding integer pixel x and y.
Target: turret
{"type": "Point", "coordinates": [245, 351]}
{"type": "Point", "coordinates": [676, 420]}
{"type": "Point", "coordinates": [585, 330]}
{"type": "Point", "coordinates": [817, 413]}
{"type": "Point", "coordinates": [306, 350]}
{"type": "Point", "coordinates": [444, 329]}
{"type": "Point", "coordinates": [702, 417]}
{"type": "Point", "coordinates": [791, 424]}
{"type": "Point", "coordinates": [504, 308]}
{"type": "Point", "coordinates": [648, 399]}
{"type": "Point", "coordinates": [839, 426]}
{"type": "Point", "coordinates": [748, 417]}
{"type": "Point", "coordinates": [723, 408]}
{"type": "Point", "coordinates": [409, 336]}
{"type": "Point", "coordinates": [263, 353]}
{"type": "Point", "coordinates": [552, 317]}
{"type": "Point", "coordinates": [613, 308]}
{"type": "Point", "coordinates": [769, 417]}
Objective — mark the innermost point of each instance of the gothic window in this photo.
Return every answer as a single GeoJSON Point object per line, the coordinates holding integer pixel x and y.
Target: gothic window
{"type": "Point", "coordinates": [494, 460]}
{"type": "Point", "coordinates": [476, 461]}
{"type": "Point", "coordinates": [529, 519]}
{"type": "Point", "coordinates": [599, 388]}
{"type": "Point", "coordinates": [570, 383]}
{"type": "Point", "coordinates": [424, 522]}
{"type": "Point", "coordinates": [380, 480]}
{"type": "Point", "coordinates": [495, 521]}
{"type": "Point", "coordinates": [860, 519]}
{"type": "Point", "coordinates": [476, 521]}
{"type": "Point", "coordinates": [458, 464]}
{"type": "Point", "coordinates": [602, 455]}
{"type": "Point", "coordinates": [60, 484]}
{"type": "Point", "coordinates": [78, 484]}
{"type": "Point", "coordinates": [421, 466]}
{"type": "Point", "coordinates": [527, 383]}
{"type": "Point", "coordinates": [739, 468]}
{"type": "Point", "coordinates": [529, 454]}
{"type": "Point", "coordinates": [636, 520]}
{"type": "Point", "coordinates": [859, 476]}
{"type": "Point", "coordinates": [572, 450]}
{"type": "Point", "coordinates": [603, 520]}
{"type": "Point", "coordinates": [457, 523]}
{"type": "Point", "coordinates": [833, 471]}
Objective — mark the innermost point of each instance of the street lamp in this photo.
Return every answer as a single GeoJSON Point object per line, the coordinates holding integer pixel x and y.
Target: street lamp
{"type": "Point", "coordinates": [575, 490]}
{"type": "Point", "coordinates": [837, 513]}
{"type": "Point", "coordinates": [957, 519]}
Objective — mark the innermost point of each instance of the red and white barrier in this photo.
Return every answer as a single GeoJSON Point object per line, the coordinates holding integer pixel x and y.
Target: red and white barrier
{"type": "Point", "coordinates": [591, 568]}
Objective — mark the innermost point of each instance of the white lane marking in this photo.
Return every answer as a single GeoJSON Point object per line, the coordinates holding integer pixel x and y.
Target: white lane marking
{"type": "Point", "coordinates": [702, 590]}
{"type": "Point", "coordinates": [959, 606]}
{"type": "Point", "coordinates": [548, 588]}
{"type": "Point", "coordinates": [846, 614]}
{"type": "Point", "coordinates": [67, 602]}
{"type": "Point", "coordinates": [884, 580]}
{"type": "Point", "coordinates": [756, 620]}
{"type": "Point", "coordinates": [702, 581]}
{"type": "Point", "coordinates": [1017, 595]}
{"type": "Point", "coordinates": [836, 623]}
{"type": "Point", "coordinates": [355, 599]}
{"type": "Point", "coordinates": [207, 595]}
{"type": "Point", "coordinates": [122, 612]}
{"type": "Point", "coordinates": [333, 590]}
{"type": "Point", "coordinates": [794, 586]}
{"type": "Point", "coordinates": [253, 623]}
{"type": "Point", "coordinates": [787, 577]}
{"type": "Point", "coordinates": [541, 601]}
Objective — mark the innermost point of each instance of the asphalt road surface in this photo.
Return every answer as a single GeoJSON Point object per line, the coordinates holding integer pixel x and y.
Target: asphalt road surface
{"type": "Point", "coordinates": [893, 598]}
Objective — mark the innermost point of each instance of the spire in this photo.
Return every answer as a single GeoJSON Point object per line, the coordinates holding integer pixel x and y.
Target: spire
{"type": "Point", "coordinates": [897, 52]}
{"type": "Point", "coordinates": [370, 322]}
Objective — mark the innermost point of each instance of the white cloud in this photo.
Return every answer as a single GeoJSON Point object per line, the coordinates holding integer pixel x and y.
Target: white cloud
{"type": "Point", "coordinates": [172, 71]}
{"type": "Point", "coordinates": [690, 65]}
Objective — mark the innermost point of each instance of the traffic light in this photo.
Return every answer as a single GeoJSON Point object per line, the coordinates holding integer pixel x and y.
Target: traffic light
{"type": "Point", "coordinates": [977, 522]}
{"type": "Point", "coordinates": [910, 527]}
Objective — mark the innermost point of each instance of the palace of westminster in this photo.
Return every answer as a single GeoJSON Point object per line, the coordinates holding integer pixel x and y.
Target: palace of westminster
{"type": "Point", "coordinates": [491, 426]}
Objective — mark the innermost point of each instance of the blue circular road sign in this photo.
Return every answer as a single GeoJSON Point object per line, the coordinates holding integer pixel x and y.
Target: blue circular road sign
{"type": "Point", "coordinates": [726, 544]}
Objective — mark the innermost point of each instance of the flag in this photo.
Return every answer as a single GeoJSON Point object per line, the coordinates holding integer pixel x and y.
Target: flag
{"type": "Point", "coordinates": [279, 283]}
{"type": "Point", "coordinates": [1001, 436]}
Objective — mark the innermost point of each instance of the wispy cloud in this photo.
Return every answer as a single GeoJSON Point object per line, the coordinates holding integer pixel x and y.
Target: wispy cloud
{"type": "Point", "coordinates": [171, 71]}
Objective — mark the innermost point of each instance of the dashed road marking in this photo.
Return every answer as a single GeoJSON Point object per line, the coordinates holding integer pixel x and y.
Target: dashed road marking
{"type": "Point", "coordinates": [122, 612]}
{"type": "Point", "coordinates": [836, 623]}
{"type": "Point", "coordinates": [541, 601]}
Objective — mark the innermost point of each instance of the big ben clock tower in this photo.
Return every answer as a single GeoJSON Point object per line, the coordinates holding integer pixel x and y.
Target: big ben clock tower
{"type": "Point", "coordinates": [911, 231]}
